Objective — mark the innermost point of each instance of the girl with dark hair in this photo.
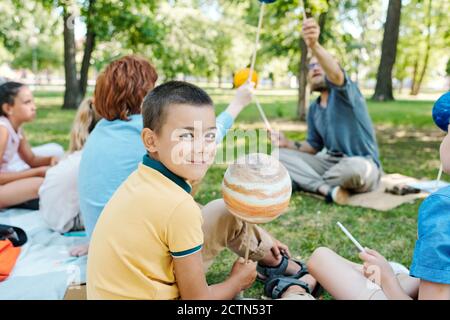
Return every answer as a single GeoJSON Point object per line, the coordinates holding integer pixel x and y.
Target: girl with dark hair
{"type": "Point", "coordinates": [22, 170]}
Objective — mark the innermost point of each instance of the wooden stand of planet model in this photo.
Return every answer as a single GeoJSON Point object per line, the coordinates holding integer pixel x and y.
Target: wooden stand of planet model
{"type": "Point", "coordinates": [256, 189]}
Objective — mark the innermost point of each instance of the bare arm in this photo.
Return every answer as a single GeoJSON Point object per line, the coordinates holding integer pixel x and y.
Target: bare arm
{"type": "Point", "coordinates": [304, 147]}
{"type": "Point", "coordinates": [30, 158]}
{"type": "Point", "coordinates": [433, 291]}
{"type": "Point", "coordinates": [394, 291]}
{"type": "Point", "coordinates": [242, 98]}
{"type": "Point", "coordinates": [7, 177]}
{"type": "Point", "coordinates": [376, 265]}
{"type": "Point", "coordinates": [192, 283]}
{"type": "Point", "coordinates": [311, 32]}
{"type": "Point", "coordinates": [445, 153]}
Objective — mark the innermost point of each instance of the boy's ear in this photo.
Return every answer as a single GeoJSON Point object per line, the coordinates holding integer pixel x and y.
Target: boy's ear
{"type": "Point", "coordinates": [149, 139]}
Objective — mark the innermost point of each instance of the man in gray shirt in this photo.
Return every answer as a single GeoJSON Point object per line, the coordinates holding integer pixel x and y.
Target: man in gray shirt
{"type": "Point", "coordinates": [340, 153]}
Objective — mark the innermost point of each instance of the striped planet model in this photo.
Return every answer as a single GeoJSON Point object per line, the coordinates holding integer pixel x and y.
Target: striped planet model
{"type": "Point", "coordinates": [257, 188]}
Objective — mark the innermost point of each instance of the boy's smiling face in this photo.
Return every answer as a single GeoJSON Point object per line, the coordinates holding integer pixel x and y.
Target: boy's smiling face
{"type": "Point", "coordinates": [185, 144]}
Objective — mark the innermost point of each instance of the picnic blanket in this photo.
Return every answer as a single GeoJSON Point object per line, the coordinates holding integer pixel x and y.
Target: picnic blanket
{"type": "Point", "coordinates": [45, 268]}
{"type": "Point", "coordinates": [383, 201]}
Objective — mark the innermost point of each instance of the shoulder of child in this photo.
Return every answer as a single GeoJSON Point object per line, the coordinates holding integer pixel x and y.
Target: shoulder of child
{"type": "Point", "coordinates": [438, 198]}
{"type": "Point", "coordinates": [434, 212]}
{"type": "Point", "coordinates": [186, 208]}
{"type": "Point", "coordinates": [3, 129]}
{"type": "Point", "coordinates": [4, 134]}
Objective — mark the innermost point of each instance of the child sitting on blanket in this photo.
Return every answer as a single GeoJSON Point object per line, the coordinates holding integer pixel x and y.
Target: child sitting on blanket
{"type": "Point", "coordinates": [429, 277]}
{"type": "Point", "coordinates": [58, 195]}
{"type": "Point", "coordinates": [22, 169]}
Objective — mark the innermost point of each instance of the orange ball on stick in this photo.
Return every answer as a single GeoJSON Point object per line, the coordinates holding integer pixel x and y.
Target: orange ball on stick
{"type": "Point", "coordinates": [241, 77]}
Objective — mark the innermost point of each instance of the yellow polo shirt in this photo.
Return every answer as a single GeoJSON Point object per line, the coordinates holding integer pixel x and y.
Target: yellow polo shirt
{"type": "Point", "coordinates": [150, 220]}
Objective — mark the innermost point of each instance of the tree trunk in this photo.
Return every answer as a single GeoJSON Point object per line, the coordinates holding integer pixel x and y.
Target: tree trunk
{"type": "Point", "coordinates": [414, 76]}
{"type": "Point", "coordinates": [417, 84]}
{"type": "Point", "coordinates": [72, 90]}
{"type": "Point", "coordinates": [322, 21]}
{"type": "Point", "coordinates": [302, 81]}
{"type": "Point", "coordinates": [383, 89]}
{"type": "Point", "coordinates": [302, 75]}
{"type": "Point", "coordinates": [88, 49]}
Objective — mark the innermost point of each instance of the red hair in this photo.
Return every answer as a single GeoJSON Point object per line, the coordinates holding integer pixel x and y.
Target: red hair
{"type": "Point", "coordinates": [122, 86]}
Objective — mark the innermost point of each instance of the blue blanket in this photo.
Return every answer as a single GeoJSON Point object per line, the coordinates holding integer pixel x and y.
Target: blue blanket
{"type": "Point", "coordinates": [45, 268]}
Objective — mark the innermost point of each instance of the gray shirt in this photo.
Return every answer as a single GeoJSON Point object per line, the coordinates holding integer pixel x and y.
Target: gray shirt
{"type": "Point", "coordinates": [344, 125]}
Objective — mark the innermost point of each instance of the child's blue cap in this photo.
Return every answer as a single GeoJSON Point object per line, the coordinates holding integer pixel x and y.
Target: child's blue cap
{"type": "Point", "coordinates": [441, 111]}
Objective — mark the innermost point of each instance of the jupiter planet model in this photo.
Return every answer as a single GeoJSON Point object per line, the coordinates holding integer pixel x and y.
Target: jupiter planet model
{"type": "Point", "coordinates": [257, 188]}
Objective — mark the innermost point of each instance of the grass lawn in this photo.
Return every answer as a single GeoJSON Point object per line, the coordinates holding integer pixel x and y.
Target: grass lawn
{"type": "Point", "coordinates": [409, 144]}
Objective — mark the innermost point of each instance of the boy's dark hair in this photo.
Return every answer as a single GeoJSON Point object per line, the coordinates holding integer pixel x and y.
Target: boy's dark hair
{"type": "Point", "coordinates": [154, 106]}
{"type": "Point", "coordinates": [8, 91]}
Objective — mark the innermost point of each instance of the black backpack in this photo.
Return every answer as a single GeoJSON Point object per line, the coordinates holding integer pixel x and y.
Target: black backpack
{"type": "Point", "coordinates": [16, 235]}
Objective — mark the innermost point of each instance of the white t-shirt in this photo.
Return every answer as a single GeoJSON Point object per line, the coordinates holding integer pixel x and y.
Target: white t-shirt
{"type": "Point", "coordinates": [58, 195]}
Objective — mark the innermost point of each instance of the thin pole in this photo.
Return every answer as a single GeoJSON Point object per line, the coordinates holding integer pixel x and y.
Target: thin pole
{"type": "Point", "coordinates": [303, 10]}
{"type": "Point", "coordinates": [252, 66]}
{"type": "Point", "coordinates": [263, 115]}
{"type": "Point", "coordinates": [247, 249]}
{"type": "Point", "coordinates": [439, 176]}
{"type": "Point", "coordinates": [349, 235]}
{"type": "Point", "coordinates": [258, 32]}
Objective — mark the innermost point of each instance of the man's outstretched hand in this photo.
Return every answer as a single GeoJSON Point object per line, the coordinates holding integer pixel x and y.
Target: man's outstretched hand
{"type": "Point", "coordinates": [310, 32]}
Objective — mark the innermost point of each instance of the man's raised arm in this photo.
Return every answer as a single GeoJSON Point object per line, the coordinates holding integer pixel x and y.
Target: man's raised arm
{"type": "Point", "coordinates": [310, 33]}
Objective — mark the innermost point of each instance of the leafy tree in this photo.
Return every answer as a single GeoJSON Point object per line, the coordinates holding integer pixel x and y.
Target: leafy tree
{"type": "Point", "coordinates": [104, 20]}
{"type": "Point", "coordinates": [431, 42]}
{"type": "Point", "coordinates": [30, 35]}
{"type": "Point", "coordinates": [43, 57]}
{"type": "Point", "coordinates": [447, 70]}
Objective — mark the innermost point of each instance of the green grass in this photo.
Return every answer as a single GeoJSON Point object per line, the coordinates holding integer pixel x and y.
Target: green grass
{"type": "Point", "coordinates": [409, 144]}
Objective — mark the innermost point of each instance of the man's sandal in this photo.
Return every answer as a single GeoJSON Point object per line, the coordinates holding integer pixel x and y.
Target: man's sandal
{"type": "Point", "coordinates": [266, 272]}
{"type": "Point", "coordinates": [275, 287]}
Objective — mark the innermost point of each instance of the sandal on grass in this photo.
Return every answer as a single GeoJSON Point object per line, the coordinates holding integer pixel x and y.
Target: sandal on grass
{"type": "Point", "coordinates": [266, 272]}
{"type": "Point", "coordinates": [276, 286]}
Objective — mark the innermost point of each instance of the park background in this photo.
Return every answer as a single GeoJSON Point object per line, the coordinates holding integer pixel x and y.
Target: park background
{"type": "Point", "coordinates": [397, 51]}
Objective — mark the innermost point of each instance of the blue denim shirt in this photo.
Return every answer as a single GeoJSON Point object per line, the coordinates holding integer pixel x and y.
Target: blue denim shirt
{"type": "Point", "coordinates": [431, 260]}
{"type": "Point", "coordinates": [344, 125]}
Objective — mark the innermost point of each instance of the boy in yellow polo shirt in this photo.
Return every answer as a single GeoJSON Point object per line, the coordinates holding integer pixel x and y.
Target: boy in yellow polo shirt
{"type": "Point", "coordinates": [150, 241]}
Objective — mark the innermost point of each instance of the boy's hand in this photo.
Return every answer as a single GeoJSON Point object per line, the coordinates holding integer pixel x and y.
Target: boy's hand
{"type": "Point", "coordinates": [310, 32]}
{"type": "Point", "coordinates": [245, 273]}
{"type": "Point", "coordinates": [376, 267]}
{"type": "Point", "coordinates": [279, 248]}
